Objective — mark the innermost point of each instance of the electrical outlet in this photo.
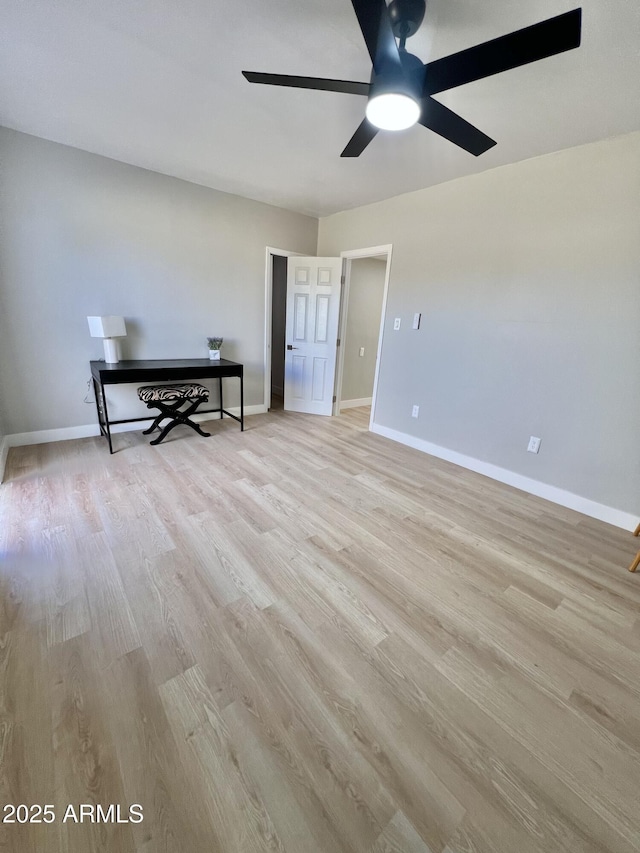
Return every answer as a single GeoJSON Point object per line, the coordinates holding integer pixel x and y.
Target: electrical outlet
{"type": "Point", "coordinates": [416, 321]}
{"type": "Point", "coordinates": [415, 411]}
{"type": "Point", "coordinates": [534, 444]}
{"type": "Point", "coordinates": [361, 352]}
{"type": "Point", "coordinates": [396, 324]}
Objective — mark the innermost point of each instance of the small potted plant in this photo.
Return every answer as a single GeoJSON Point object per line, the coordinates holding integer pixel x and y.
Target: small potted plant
{"type": "Point", "coordinates": [214, 345]}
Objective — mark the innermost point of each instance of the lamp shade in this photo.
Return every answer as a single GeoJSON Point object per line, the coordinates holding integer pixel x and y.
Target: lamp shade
{"type": "Point", "coordinates": [107, 327]}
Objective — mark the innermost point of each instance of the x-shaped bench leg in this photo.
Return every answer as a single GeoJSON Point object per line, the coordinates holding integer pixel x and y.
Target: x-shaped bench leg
{"type": "Point", "coordinates": [172, 410]}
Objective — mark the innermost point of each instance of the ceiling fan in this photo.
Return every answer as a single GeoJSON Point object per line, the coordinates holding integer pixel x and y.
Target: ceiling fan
{"type": "Point", "coordinates": [401, 87]}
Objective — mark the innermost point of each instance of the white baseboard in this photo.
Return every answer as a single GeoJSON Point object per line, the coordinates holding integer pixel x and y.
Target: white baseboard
{"type": "Point", "coordinates": [617, 517]}
{"type": "Point", "coordinates": [45, 436]}
{"type": "Point", "coordinates": [352, 404]}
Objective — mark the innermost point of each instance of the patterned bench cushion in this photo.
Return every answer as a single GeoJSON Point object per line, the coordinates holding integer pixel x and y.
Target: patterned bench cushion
{"type": "Point", "coordinates": [186, 391]}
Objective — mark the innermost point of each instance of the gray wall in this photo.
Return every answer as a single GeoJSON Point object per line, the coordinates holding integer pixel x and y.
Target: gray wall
{"type": "Point", "coordinates": [366, 289]}
{"type": "Point", "coordinates": [527, 278]}
{"type": "Point", "coordinates": [81, 234]}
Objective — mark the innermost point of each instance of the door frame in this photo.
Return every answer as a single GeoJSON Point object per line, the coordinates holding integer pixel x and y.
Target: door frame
{"type": "Point", "coordinates": [268, 319]}
{"type": "Point", "coordinates": [347, 257]}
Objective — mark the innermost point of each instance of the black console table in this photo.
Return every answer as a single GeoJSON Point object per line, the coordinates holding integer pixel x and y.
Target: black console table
{"type": "Point", "coordinates": [160, 370]}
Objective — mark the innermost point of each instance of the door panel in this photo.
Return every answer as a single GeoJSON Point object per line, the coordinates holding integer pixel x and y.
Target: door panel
{"type": "Point", "coordinates": [300, 317]}
{"type": "Point", "coordinates": [297, 377]}
{"type": "Point", "coordinates": [322, 318]}
{"type": "Point", "coordinates": [318, 382]}
{"type": "Point", "coordinates": [313, 308]}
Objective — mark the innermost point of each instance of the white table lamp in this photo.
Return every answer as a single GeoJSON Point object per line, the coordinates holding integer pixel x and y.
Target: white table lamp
{"type": "Point", "coordinates": [108, 328]}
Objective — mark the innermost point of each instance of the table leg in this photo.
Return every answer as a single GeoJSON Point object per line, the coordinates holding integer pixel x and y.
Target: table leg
{"type": "Point", "coordinates": [221, 403]}
{"type": "Point", "coordinates": [242, 400]}
{"type": "Point", "coordinates": [636, 562]}
{"type": "Point", "coordinates": [103, 414]}
{"type": "Point", "coordinates": [96, 397]}
{"type": "Point", "coordinates": [106, 419]}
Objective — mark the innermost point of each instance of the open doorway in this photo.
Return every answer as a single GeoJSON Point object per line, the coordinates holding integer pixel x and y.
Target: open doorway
{"type": "Point", "coordinates": [278, 329]}
{"type": "Point", "coordinates": [275, 325]}
{"type": "Point", "coordinates": [360, 345]}
{"type": "Point", "coordinates": [360, 325]}
{"type": "Point", "coordinates": [364, 298]}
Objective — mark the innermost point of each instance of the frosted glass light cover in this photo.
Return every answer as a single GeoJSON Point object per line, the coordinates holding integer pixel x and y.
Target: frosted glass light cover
{"type": "Point", "coordinates": [392, 112]}
{"type": "Point", "coordinates": [107, 327]}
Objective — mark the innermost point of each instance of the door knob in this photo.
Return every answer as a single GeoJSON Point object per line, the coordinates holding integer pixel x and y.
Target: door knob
{"type": "Point", "coordinates": [289, 346]}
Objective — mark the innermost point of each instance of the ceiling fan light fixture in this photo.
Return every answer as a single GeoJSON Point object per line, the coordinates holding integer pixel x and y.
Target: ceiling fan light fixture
{"type": "Point", "coordinates": [401, 88]}
{"type": "Point", "coordinates": [393, 111]}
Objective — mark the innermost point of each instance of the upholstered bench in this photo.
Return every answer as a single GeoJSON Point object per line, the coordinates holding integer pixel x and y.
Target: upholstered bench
{"type": "Point", "coordinates": [169, 399]}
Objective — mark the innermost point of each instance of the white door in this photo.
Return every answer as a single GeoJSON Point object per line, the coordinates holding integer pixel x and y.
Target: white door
{"type": "Point", "coordinates": [313, 309]}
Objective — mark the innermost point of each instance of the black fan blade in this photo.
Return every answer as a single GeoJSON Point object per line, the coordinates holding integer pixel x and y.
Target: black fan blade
{"type": "Point", "coordinates": [360, 139]}
{"type": "Point", "coordinates": [448, 124]}
{"type": "Point", "coordinates": [375, 24]}
{"type": "Point", "coordinates": [349, 87]}
{"type": "Point", "coordinates": [511, 51]}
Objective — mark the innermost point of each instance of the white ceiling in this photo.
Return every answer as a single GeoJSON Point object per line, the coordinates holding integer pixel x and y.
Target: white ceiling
{"type": "Point", "coordinates": [157, 83]}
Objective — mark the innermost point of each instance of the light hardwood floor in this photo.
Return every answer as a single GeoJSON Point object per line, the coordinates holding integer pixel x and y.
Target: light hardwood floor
{"type": "Point", "coordinates": [307, 638]}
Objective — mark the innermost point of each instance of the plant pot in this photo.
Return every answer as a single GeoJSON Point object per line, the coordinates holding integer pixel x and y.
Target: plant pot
{"type": "Point", "coordinates": [214, 354]}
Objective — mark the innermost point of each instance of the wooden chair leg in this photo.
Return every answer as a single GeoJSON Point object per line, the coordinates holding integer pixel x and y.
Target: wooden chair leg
{"type": "Point", "coordinates": [637, 531]}
{"type": "Point", "coordinates": [635, 563]}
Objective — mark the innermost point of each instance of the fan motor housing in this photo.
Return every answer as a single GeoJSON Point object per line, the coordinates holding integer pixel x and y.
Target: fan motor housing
{"type": "Point", "coordinates": [406, 80]}
{"type": "Point", "coordinates": [406, 17]}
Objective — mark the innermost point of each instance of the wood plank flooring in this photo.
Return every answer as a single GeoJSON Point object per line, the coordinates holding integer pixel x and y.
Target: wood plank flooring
{"type": "Point", "coordinates": [308, 639]}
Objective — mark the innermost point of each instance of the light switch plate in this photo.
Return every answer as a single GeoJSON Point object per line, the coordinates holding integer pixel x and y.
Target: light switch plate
{"type": "Point", "coordinates": [396, 324]}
